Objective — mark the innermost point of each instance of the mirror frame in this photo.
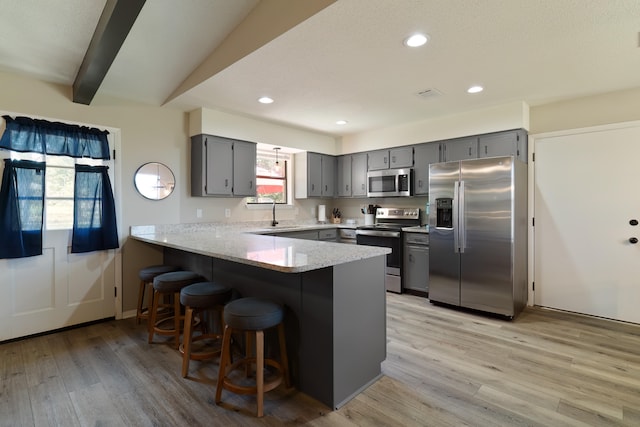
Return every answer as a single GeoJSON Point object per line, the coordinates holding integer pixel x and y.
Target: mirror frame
{"type": "Point", "coordinates": [165, 181]}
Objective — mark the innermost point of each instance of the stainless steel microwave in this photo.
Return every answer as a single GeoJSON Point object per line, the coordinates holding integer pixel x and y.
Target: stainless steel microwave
{"type": "Point", "coordinates": [390, 183]}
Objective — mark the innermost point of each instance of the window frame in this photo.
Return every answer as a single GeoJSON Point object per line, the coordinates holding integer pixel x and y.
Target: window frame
{"type": "Point", "coordinates": [284, 158]}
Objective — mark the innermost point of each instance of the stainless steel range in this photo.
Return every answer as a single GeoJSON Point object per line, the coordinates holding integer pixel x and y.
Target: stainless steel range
{"type": "Point", "coordinates": [387, 232]}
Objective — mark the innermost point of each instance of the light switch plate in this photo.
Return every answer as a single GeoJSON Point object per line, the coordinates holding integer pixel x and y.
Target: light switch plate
{"type": "Point", "coordinates": [198, 213]}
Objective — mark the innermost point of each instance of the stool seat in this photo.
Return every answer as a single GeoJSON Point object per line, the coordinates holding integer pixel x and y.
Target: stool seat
{"type": "Point", "coordinates": [204, 295]}
{"type": "Point", "coordinates": [174, 281]}
{"type": "Point", "coordinates": [198, 299]}
{"type": "Point", "coordinates": [169, 284]}
{"type": "Point", "coordinates": [146, 276]}
{"type": "Point", "coordinates": [253, 314]}
{"type": "Point", "coordinates": [149, 273]}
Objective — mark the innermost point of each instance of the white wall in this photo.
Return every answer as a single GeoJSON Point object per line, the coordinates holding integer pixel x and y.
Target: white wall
{"type": "Point", "coordinates": [607, 108]}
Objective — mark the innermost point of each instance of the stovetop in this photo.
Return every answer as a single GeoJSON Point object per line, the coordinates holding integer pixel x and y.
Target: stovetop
{"type": "Point", "coordinates": [394, 219]}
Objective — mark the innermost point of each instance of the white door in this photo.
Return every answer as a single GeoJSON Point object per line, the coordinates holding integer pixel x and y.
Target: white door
{"type": "Point", "coordinates": [56, 289]}
{"type": "Point", "coordinates": [586, 193]}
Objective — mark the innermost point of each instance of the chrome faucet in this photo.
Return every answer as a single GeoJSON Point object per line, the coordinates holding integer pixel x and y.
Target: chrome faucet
{"type": "Point", "coordinates": [274, 222]}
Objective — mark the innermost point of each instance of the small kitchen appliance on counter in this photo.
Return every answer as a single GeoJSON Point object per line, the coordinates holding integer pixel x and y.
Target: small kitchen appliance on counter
{"type": "Point", "coordinates": [387, 232]}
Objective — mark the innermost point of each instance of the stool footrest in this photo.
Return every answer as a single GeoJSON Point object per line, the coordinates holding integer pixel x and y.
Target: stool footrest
{"type": "Point", "coordinates": [242, 389]}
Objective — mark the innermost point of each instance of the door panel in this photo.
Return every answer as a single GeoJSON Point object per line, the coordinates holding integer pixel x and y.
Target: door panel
{"type": "Point", "coordinates": [56, 289]}
{"type": "Point", "coordinates": [444, 262]}
{"type": "Point", "coordinates": [486, 274]}
{"type": "Point", "coordinates": [585, 194]}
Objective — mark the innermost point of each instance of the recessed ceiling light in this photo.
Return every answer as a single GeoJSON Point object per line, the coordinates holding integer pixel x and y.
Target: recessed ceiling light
{"type": "Point", "coordinates": [475, 89]}
{"type": "Point", "coordinates": [416, 40]}
{"type": "Point", "coordinates": [265, 100]}
{"type": "Point", "coordinates": [341, 122]}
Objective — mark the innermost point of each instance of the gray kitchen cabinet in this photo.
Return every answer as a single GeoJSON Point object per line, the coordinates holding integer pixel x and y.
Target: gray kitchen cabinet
{"type": "Point", "coordinates": [314, 175]}
{"type": "Point", "coordinates": [509, 143]}
{"type": "Point", "coordinates": [415, 275]}
{"type": "Point", "coordinates": [352, 175]}
{"type": "Point", "coordinates": [378, 159]}
{"type": "Point", "coordinates": [344, 184]}
{"type": "Point", "coordinates": [399, 157]}
{"type": "Point", "coordinates": [424, 155]}
{"type": "Point", "coordinates": [328, 179]}
{"type": "Point", "coordinates": [328, 234]}
{"type": "Point", "coordinates": [222, 167]}
{"type": "Point", "coordinates": [359, 175]}
{"type": "Point", "coordinates": [459, 149]}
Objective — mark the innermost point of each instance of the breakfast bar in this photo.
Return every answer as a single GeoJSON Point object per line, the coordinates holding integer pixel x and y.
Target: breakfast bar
{"type": "Point", "coordinates": [333, 294]}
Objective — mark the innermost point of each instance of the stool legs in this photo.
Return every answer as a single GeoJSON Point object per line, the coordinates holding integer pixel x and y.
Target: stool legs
{"type": "Point", "coordinates": [188, 338]}
{"type": "Point", "coordinates": [260, 388]}
{"type": "Point", "coordinates": [140, 309]}
{"type": "Point", "coordinates": [177, 317]}
{"type": "Point", "coordinates": [186, 346]}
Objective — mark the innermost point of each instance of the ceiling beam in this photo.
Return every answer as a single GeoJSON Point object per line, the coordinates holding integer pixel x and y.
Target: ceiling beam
{"type": "Point", "coordinates": [113, 27]}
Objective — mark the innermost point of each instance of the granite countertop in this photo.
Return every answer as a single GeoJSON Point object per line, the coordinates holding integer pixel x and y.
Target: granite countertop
{"type": "Point", "coordinates": [246, 243]}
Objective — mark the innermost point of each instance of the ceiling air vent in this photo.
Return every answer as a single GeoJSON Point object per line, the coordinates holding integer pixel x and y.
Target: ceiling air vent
{"type": "Point", "coordinates": [429, 93]}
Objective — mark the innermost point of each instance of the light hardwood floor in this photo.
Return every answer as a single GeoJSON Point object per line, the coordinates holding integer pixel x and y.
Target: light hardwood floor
{"type": "Point", "coordinates": [444, 368]}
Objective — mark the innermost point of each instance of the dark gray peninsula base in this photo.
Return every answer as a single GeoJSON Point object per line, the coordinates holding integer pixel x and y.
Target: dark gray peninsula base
{"type": "Point", "coordinates": [335, 318]}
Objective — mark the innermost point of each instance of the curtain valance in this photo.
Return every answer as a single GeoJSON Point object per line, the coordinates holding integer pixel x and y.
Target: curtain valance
{"type": "Point", "coordinates": [25, 134]}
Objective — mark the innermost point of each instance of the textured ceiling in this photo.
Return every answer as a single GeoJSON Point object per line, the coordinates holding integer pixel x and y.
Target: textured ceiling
{"type": "Point", "coordinates": [345, 62]}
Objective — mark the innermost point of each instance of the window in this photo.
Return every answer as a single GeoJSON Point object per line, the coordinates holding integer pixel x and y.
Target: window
{"type": "Point", "coordinates": [271, 177]}
{"type": "Point", "coordinates": [59, 187]}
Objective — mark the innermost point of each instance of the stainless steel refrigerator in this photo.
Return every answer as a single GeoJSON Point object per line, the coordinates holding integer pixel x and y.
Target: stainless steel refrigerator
{"type": "Point", "coordinates": [478, 234]}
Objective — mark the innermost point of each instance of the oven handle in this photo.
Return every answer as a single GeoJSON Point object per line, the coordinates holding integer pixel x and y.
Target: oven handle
{"type": "Point", "coordinates": [378, 233]}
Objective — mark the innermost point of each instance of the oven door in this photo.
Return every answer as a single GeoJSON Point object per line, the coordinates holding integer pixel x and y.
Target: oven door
{"type": "Point", "coordinates": [386, 239]}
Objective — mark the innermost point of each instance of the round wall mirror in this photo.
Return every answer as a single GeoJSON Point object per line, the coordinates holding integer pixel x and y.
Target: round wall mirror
{"type": "Point", "coordinates": [154, 181]}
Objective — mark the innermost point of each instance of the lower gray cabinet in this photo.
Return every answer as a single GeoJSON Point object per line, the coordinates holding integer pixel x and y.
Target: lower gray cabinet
{"type": "Point", "coordinates": [415, 275]}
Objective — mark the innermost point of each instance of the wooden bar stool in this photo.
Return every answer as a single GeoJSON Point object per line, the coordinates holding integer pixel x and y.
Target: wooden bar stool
{"type": "Point", "coordinates": [199, 298]}
{"type": "Point", "coordinates": [147, 275]}
{"type": "Point", "coordinates": [169, 284]}
{"type": "Point", "coordinates": [252, 316]}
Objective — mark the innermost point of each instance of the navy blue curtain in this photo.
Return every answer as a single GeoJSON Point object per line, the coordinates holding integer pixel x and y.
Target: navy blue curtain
{"type": "Point", "coordinates": [21, 207]}
{"type": "Point", "coordinates": [94, 211]}
{"type": "Point", "coordinates": [24, 134]}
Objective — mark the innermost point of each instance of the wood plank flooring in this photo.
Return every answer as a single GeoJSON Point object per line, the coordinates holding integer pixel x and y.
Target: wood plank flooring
{"type": "Point", "coordinates": [444, 367]}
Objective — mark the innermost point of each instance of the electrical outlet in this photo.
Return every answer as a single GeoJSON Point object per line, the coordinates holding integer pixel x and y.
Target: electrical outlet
{"type": "Point", "coordinates": [198, 213]}
{"type": "Point", "coordinates": [227, 213]}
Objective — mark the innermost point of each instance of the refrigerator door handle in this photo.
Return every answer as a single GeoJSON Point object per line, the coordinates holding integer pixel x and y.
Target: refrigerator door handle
{"type": "Point", "coordinates": [456, 240]}
{"type": "Point", "coordinates": [462, 230]}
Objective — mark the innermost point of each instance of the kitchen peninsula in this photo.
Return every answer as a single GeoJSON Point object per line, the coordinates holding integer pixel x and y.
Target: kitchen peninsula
{"type": "Point", "coordinates": [334, 296]}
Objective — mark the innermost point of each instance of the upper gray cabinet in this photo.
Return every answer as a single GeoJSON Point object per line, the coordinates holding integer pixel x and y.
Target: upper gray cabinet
{"type": "Point", "coordinates": [459, 149]}
{"type": "Point", "coordinates": [359, 175]}
{"type": "Point", "coordinates": [400, 157]}
{"type": "Point", "coordinates": [509, 143]}
{"type": "Point", "coordinates": [314, 175]}
{"type": "Point", "coordinates": [424, 155]}
{"type": "Point", "coordinates": [222, 167]}
{"type": "Point", "coordinates": [352, 175]}
{"type": "Point", "coordinates": [344, 176]}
